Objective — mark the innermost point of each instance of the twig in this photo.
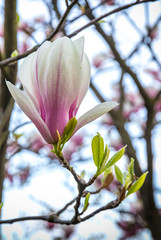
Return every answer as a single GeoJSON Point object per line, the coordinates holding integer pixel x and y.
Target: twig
{"type": "Point", "coordinates": [10, 60]}
{"type": "Point", "coordinates": [96, 20]}
{"type": "Point", "coordinates": [53, 218]}
{"type": "Point", "coordinates": [65, 207]}
{"type": "Point", "coordinates": [13, 59]}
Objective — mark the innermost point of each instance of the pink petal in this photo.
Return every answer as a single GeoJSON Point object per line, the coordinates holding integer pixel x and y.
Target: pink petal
{"type": "Point", "coordinates": [27, 106]}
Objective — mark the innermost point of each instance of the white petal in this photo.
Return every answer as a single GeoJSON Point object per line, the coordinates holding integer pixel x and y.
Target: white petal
{"type": "Point", "coordinates": [27, 106]}
{"type": "Point", "coordinates": [85, 74]}
{"type": "Point", "coordinates": [95, 113]}
{"type": "Point", "coordinates": [79, 43]}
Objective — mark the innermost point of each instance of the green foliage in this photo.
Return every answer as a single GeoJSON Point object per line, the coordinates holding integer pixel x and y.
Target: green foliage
{"type": "Point", "coordinates": [119, 174]}
{"type": "Point", "coordinates": [98, 150]}
{"type": "Point", "coordinates": [68, 132]}
{"type": "Point", "coordinates": [131, 168]}
{"type": "Point", "coordinates": [69, 129]}
{"type": "Point", "coordinates": [115, 158]}
{"type": "Point", "coordinates": [14, 53]}
{"type": "Point", "coordinates": [82, 174]}
{"type": "Point", "coordinates": [1, 205]}
{"type": "Point", "coordinates": [137, 185]}
{"type": "Point", "coordinates": [101, 155]}
{"type": "Point", "coordinates": [17, 136]}
{"type": "Point", "coordinates": [86, 202]}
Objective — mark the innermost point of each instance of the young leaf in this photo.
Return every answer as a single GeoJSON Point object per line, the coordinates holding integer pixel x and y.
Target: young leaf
{"type": "Point", "coordinates": [98, 150]}
{"type": "Point", "coordinates": [137, 185]}
{"type": "Point", "coordinates": [108, 180]}
{"type": "Point", "coordinates": [106, 173]}
{"type": "Point", "coordinates": [100, 170]}
{"type": "Point", "coordinates": [118, 174]}
{"type": "Point", "coordinates": [126, 179]}
{"type": "Point", "coordinates": [68, 131]}
{"type": "Point", "coordinates": [1, 205]}
{"type": "Point", "coordinates": [14, 53]}
{"type": "Point", "coordinates": [82, 174]}
{"type": "Point", "coordinates": [131, 168]}
{"type": "Point", "coordinates": [115, 158]}
{"type": "Point", "coordinates": [86, 202]}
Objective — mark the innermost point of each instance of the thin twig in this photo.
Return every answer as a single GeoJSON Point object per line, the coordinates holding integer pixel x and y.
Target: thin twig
{"type": "Point", "coordinates": [53, 218]}
{"type": "Point", "coordinates": [20, 56]}
{"type": "Point", "coordinates": [10, 60]}
{"type": "Point", "coordinates": [96, 20]}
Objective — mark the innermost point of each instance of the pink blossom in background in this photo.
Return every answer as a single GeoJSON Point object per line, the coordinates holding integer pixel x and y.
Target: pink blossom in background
{"type": "Point", "coordinates": [98, 60]}
{"type": "Point", "coordinates": [25, 27]}
{"type": "Point", "coordinates": [75, 143]}
{"type": "Point", "coordinates": [156, 74]}
{"type": "Point", "coordinates": [116, 143]}
{"type": "Point", "coordinates": [107, 120]}
{"type": "Point", "coordinates": [39, 19]}
{"type": "Point", "coordinates": [36, 142]}
{"type": "Point", "coordinates": [24, 175]}
{"type": "Point", "coordinates": [153, 33]}
{"type": "Point", "coordinates": [151, 91]}
{"type": "Point", "coordinates": [109, 2]}
{"type": "Point", "coordinates": [23, 46]}
{"type": "Point", "coordinates": [55, 79]}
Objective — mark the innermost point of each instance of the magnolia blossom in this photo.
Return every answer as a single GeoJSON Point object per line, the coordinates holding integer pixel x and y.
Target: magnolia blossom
{"type": "Point", "coordinates": [55, 79]}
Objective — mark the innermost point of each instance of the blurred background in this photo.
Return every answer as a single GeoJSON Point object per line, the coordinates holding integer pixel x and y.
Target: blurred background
{"type": "Point", "coordinates": [124, 50]}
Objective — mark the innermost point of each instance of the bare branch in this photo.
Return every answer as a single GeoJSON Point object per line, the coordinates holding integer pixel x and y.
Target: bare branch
{"type": "Point", "coordinates": [10, 60]}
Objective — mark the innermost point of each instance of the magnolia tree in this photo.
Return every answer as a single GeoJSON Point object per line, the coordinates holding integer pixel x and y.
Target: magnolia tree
{"type": "Point", "coordinates": [105, 48]}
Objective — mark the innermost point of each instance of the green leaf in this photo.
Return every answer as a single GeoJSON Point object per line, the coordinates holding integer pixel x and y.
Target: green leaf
{"type": "Point", "coordinates": [115, 158]}
{"type": "Point", "coordinates": [1, 205]}
{"type": "Point", "coordinates": [131, 168]}
{"type": "Point", "coordinates": [100, 170]}
{"type": "Point", "coordinates": [105, 156]}
{"type": "Point", "coordinates": [14, 53]}
{"type": "Point", "coordinates": [118, 174]}
{"type": "Point", "coordinates": [82, 174]}
{"type": "Point", "coordinates": [86, 202]}
{"type": "Point", "coordinates": [102, 21]}
{"type": "Point", "coordinates": [17, 136]}
{"type": "Point", "coordinates": [124, 178]}
{"type": "Point", "coordinates": [106, 173]}
{"type": "Point", "coordinates": [68, 131]}
{"type": "Point", "coordinates": [18, 18]}
{"type": "Point", "coordinates": [98, 150]}
{"type": "Point", "coordinates": [137, 185]}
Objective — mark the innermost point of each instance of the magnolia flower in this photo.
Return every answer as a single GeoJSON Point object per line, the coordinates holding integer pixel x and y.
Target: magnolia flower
{"type": "Point", "coordinates": [55, 79]}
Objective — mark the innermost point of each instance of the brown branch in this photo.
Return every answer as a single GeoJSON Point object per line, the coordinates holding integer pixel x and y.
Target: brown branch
{"type": "Point", "coordinates": [10, 44]}
{"type": "Point", "coordinates": [96, 20]}
{"type": "Point", "coordinates": [56, 30]}
{"type": "Point", "coordinates": [65, 207]}
{"type": "Point", "coordinates": [6, 115]}
{"type": "Point", "coordinates": [116, 10]}
{"type": "Point", "coordinates": [54, 219]}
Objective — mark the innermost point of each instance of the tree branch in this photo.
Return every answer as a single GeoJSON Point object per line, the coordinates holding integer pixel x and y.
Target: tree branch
{"type": "Point", "coordinates": [10, 60]}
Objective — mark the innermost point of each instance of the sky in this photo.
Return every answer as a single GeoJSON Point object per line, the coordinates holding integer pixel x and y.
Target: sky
{"type": "Point", "coordinates": [19, 199]}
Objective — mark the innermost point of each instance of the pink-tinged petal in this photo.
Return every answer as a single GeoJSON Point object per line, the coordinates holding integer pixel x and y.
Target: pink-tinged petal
{"type": "Point", "coordinates": [61, 71]}
{"type": "Point", "coordinates": [95, 113]}
{"type": "Point", "coordinates": [27, 106]}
